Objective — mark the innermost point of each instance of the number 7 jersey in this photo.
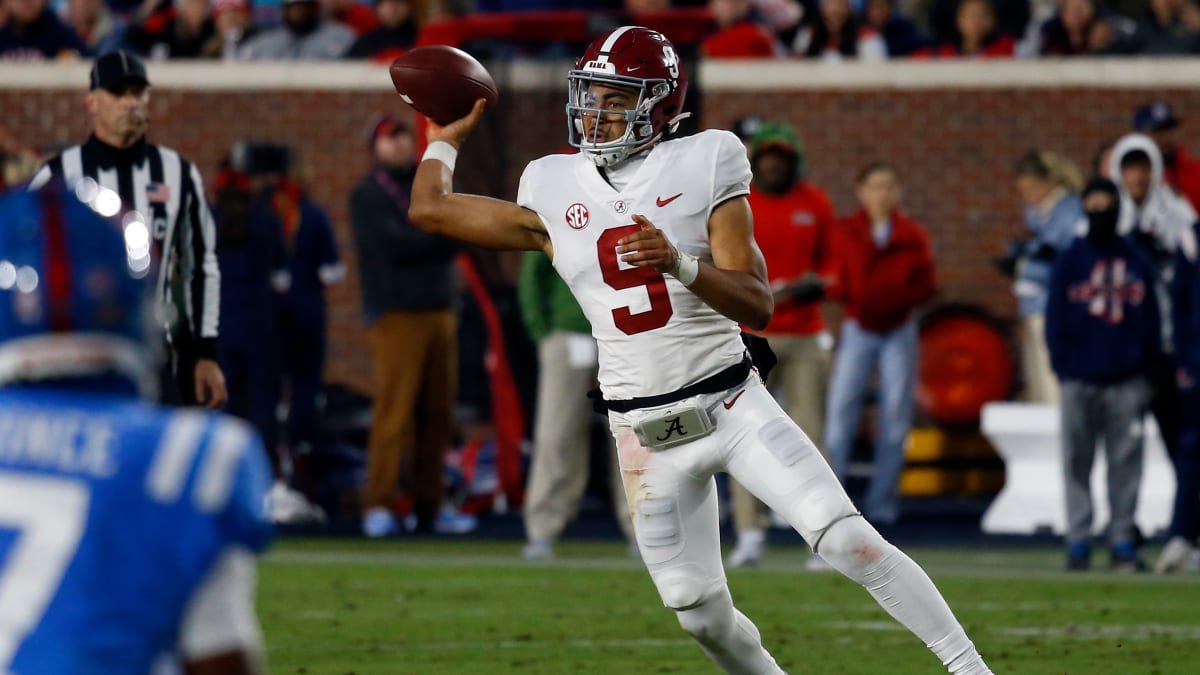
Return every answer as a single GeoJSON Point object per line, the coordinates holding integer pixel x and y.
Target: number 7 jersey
{"type": "Point", "coordinates": [655, 336]}
{"type": "Point", "coordinates": [113, 512]}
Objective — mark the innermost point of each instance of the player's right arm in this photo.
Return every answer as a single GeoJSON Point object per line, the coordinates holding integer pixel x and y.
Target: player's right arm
{"type": "Point", "coordinates": [220, 633]}
{"type": "Point", "coordinates": [492, 223]}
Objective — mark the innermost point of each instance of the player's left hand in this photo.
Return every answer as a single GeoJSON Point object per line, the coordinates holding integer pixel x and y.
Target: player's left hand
{"type": "Point", "coordinates": [648, 247]}
{"type": "Point", "coordinates": [210, 384]}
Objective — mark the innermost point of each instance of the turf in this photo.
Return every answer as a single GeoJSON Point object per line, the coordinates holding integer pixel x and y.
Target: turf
{"type": "Point", "coordinates": [473, 607]}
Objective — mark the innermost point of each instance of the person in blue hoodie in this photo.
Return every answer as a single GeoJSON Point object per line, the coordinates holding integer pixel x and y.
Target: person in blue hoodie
{"type": "Point", "coordinates": [1103, 333]}
{"type": "Point", "coordinates": [1180, 552]}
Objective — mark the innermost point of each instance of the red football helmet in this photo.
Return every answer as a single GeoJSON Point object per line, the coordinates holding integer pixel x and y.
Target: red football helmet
{"type": "Point", "coordinates": [629, 57]}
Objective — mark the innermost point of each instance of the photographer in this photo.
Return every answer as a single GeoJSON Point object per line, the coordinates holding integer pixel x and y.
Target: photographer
{"type": "Point", "coordinates": [1049, 186]}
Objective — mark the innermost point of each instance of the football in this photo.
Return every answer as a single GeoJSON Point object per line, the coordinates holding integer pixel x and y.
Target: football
{"type": "Point", "coordinates": [441, 82]}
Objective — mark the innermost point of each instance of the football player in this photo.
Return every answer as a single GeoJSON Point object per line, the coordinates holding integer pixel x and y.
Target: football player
{"type": "Point", "coordinates": [654, 236]}
{"type": "Point", "coordinates": [128, 531]}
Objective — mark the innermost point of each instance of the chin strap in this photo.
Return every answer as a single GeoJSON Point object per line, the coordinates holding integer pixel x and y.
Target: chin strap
{"type": "Point", "coordinates": [673, 123]}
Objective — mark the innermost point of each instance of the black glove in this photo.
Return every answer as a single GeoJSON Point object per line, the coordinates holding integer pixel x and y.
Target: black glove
{"type": "Point", "coordinates": [761, 353]}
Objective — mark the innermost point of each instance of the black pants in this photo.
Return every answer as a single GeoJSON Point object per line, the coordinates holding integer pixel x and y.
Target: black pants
{"type": "Point", "coordinates": [1165, 402]}
{"type": "Point", "coordinates": [177, 377]}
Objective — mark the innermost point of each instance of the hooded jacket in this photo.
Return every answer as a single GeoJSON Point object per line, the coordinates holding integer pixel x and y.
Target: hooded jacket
{"type": "Point", "coordinates": [1163, 214]}
{"type": "Point", "coordinates": [1102, 318]}
{"type": "Point", "coordinates": [1158, 225]}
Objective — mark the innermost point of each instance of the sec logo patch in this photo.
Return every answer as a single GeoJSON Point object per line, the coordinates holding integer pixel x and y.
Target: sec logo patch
{"type": "Point", "coordinates": [577, 216]}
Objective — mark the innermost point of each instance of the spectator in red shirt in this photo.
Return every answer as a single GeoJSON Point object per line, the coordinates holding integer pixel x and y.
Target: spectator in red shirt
{"type": "Point", "coordinates": [736, 33]}
{"type": "Point", "coordinates": [977, 34]}
{"type": "Point", "coordinates": [1181, 171]}
{"type": "Point", "coordinates": [794, 225]}
{"type": "Point", "coordinates": [886, 273]}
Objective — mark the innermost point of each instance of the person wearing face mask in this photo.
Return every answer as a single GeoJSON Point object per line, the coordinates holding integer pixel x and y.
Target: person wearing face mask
{"type": "Point", "coordinates": [304, 35]}
{"type": "Point", "coordinates": [1103, 333]}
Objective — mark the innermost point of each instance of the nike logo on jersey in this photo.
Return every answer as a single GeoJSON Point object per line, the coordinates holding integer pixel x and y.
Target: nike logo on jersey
{"type": "Point", "coordinates": [729, 404]}
{"type": "Point", "coordinates": [663, 202]}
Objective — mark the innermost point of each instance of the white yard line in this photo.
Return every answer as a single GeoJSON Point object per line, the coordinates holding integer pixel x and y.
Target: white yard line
{"type": "Point", "coordinates": [1134, 631]}
{"type": "Point", "coordinates": [475, 645]}
{"type": "Point", "coordinates": [971, 565]}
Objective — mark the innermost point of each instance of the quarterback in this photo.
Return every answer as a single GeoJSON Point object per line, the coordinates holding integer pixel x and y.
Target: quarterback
{"type": "Point", "coordinates": [654, 236]}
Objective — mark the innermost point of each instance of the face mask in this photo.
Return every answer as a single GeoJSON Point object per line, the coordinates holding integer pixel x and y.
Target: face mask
{"type": "Point", "coordinates": [1102, 225]}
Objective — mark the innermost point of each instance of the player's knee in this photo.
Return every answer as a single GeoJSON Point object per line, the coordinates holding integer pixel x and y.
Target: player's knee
{"type": "Point", "coordinates": [711, 620]}
{"type": "Point", "coordinates": [824, 503]}
{"type": "Point", "coordinates": [854, 548]}
{"type": "Point", "coordinates": [683, 590]}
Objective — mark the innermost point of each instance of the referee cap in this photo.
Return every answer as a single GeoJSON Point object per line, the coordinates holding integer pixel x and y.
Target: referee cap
{"type": "Point", "coordinates": [115, 68]}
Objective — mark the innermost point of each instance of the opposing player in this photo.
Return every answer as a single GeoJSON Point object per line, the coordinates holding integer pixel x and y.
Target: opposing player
{"type": "Point", "coordinates": [655, 238]}
{"type": "Point", "coordinates": [127, 531]}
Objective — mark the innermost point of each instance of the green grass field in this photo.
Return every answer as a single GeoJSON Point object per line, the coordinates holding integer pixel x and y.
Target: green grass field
{"type": "Point", "coordinates": [430, 607]}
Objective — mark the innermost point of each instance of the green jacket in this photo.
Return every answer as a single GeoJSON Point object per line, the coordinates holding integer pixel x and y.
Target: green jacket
{"type": "Point", "coordinates": [546, 303]}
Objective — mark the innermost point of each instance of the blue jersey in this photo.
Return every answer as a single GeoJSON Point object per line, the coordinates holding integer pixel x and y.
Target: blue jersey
{"type": "Point", "coordinates": [112, 513]}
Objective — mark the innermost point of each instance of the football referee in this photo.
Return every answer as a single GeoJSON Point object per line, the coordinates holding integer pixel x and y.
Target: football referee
{"type": "Point", "coordinates": [163, 189]}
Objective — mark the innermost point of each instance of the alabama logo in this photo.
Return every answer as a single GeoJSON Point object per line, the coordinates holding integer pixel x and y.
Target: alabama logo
{"type": "Point", "coordinates": [577, 216]}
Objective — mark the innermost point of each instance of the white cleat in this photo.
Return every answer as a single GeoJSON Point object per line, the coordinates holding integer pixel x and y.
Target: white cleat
{"type": "Point", "coordinates": [286, 506]}
{"type": "Point", "coordinates": [538, 549]}
{"type": "Point", "coordinates": [1178, 556]}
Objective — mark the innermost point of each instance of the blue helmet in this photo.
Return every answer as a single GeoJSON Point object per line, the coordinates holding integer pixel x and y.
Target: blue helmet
{"type": "Point", "coordinates": [74, 297]}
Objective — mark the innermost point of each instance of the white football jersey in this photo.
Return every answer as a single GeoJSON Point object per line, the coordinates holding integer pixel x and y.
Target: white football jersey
{"type": "Point", "coordinates": [655, 336]}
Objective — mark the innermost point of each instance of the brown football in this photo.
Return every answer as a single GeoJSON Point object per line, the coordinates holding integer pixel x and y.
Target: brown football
{"type": "Point", "coordinates": [442, 83]}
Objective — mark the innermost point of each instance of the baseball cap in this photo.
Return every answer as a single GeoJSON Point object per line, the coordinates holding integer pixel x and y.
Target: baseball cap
{"type": "Point", "coordinates": [386, 125]}
{"type": "Point", "coordinates": [114, 68]}
{"type": "Point", "coordinates": [777, 136]}
{"type": "Point", "coordinates": [745, 127]}
{"type": "Point", "coordinates": [1155, 116]}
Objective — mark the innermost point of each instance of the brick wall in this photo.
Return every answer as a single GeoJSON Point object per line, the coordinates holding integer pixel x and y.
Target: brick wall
{"type": "Point", "coordinates": [954, 147]}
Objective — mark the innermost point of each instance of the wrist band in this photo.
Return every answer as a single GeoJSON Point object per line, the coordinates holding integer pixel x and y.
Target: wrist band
{"type": "Point", "coordinates": [687, 267]}
{"type": "Point", "coordinates": [442, 152]}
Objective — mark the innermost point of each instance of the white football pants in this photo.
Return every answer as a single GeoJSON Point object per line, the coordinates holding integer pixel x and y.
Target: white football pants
{"type": "Point", "coordinates": [673, 504]}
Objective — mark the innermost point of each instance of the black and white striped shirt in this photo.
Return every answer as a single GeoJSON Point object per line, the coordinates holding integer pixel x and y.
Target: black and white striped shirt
{"type": "Point", "coordinates": [168, 192]}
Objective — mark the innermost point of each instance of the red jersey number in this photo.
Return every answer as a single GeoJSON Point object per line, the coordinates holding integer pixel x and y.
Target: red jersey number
{"type": "Point", "coordinates": [631, 277]}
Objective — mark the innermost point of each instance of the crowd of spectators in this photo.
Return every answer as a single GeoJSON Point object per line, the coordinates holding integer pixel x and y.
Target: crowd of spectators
{"type": "Point", "coordinates": [830, 30]}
